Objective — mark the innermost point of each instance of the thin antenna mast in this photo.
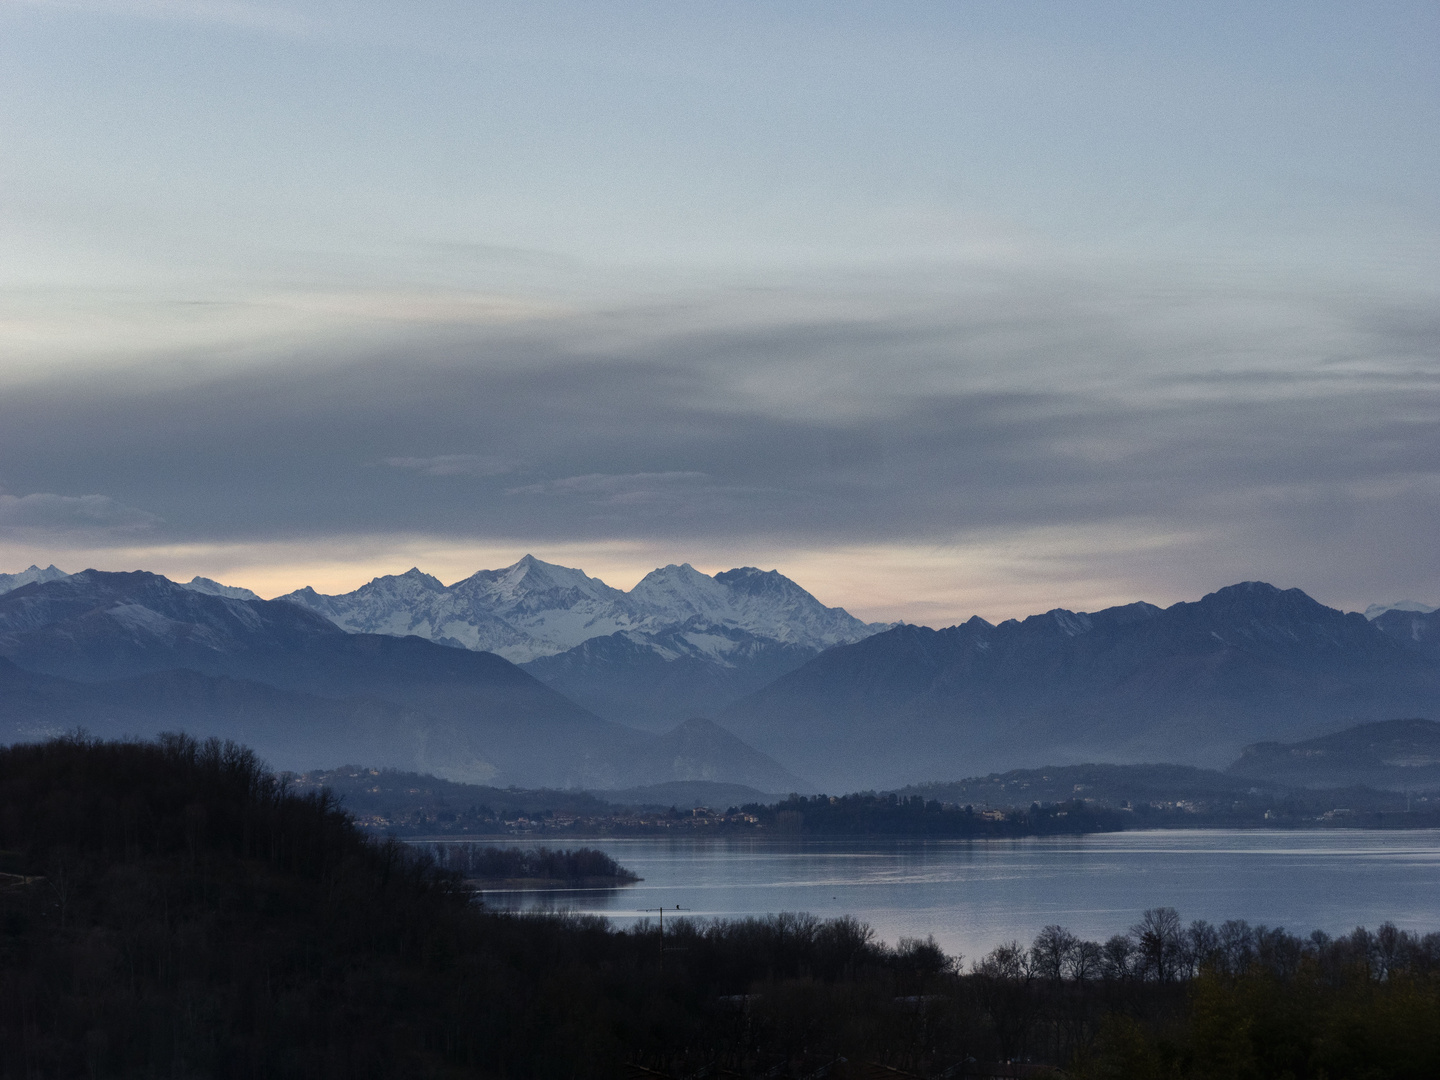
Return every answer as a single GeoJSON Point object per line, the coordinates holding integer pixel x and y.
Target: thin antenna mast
{"type": "Point", "coordinates": [662, 911]}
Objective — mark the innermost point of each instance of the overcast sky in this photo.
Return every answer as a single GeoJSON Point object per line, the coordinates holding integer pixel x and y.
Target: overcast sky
{"type": "Point", "coordinates": [940, 308]}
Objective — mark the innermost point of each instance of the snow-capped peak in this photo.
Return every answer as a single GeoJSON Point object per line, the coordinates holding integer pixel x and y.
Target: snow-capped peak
{"type": "Point", "coordinates": [762, 602]}
{"type": "Point", "coordinates": [417, 576]}
{"type": "Point", "coordinates": [10, 582]}
{"type": "Point", "coordinates": [533, 608]}
{"type": "Point", "coordinates": [531, 576]}
{"type": "Point", "coordinates": [552, 607]}
{"type": "Point", "coordinates": [214, 588]}
{"type": "Point", "coordinates": [1374, 611]}
{"type": "Point", "coordinates": [673, 594]}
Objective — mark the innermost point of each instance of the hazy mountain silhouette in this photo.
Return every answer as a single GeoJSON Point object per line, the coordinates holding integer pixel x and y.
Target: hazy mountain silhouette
{"type": "Point", "coordinates": [1107, 785]}
{"type": "Point", "coordinates": [650, 679]}
{"type": "Point", "coordinates": [1400, 755]}
{"type": "Point", "coordinates": [701, 750]}
{"type": "Point", "coordinates": [1191, 684]}
{"type": "Point", "coordinates": [135, 652]}
{"type": "Point", "coordinates": [1417, 631]}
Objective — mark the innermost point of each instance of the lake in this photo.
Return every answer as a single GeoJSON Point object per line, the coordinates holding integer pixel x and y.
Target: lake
{"type": "Point", "coordinates": [974, 895]}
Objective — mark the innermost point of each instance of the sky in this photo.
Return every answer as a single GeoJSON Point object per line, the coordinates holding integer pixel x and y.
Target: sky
{"type": "Point", "coordinates": [940, 308]}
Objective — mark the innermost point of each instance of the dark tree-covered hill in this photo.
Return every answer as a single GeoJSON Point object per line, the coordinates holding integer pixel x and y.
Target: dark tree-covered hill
{"type": "Point", "coordinates": [1402, 755]}
{"type": "Point", "coordinates": [172, 909]}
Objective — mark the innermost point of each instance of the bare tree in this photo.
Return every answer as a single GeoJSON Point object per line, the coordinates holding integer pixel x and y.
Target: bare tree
{"type": "Point", "coordinates": [1158, 942]}
{"type": "Point", "coordinates": [1052, 952]}
{"type": "Point", "coordinates": [1237, 945]}
{"type": "Point", "coordinates": [1087, 961]}
{"type": "Point", "coordinates": [1116, 958]}
{"type": "Point", "coordinates": [1202, 947]}
{"type": "Point", "coordinates": [1390, 945]}
{"type": "Point", "coordinates": [1003, 986]}
{"type": "Point", "coordinates": [1009, 961]}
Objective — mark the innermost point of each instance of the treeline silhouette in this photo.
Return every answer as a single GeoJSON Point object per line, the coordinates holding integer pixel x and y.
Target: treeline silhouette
{"type": "Point", "coordinates": [171, 909]}
{"type": "Point", "coordinates": [1221, 1001]}
{"type": "Point", "coordinates": [867, 813]}
{"type": "Point", "coordinates": [490, 863]}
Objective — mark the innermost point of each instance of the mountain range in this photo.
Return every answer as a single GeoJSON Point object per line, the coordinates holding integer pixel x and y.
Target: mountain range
{"type": "Point", "coordinates": [1192, 683]}
{"type": "Point", "coordinates": [9, 582]}
{"type": "Point", "coordinates": [534, 609]}
{"type": "Point", "coordinates": [134, 653]}
{"type": "Point", "coordinates": [680, 643]}
{"type": "Point", "coordinates": [739, 678]}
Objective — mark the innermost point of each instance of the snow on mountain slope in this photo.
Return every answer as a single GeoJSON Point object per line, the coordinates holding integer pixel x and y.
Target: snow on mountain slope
{"type": "Point", "coordinates": [555, 606]}
{"type": "Point", "coordinates": [764, 603]}
{"type": "Point", "coordinates": [534, 609]}
{"type": "Point", "coordinates": [1373, 612]}
{"type": "Point", "coordinates": [10, 582]}
{"type": "Point", "coordinates": [214, 588]}
{"type": "Point", "coordinates": [416, 603]}
{"type": "Point", "coordinates": [97, 625]}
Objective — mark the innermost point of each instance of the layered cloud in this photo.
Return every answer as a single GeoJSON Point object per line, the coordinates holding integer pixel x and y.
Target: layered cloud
{"type": "Point", "coordinates": [1230, 435]}
{"type": "Point", "coordinates": [70, 518]}
{"type": "Point", "coordinates": [1069, 303]}
{"type": "Point", "coordinates": [452, 465]}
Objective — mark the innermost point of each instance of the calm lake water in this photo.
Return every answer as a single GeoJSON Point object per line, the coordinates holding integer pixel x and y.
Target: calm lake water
{"type": "Point", "coordinates": [973, 895]}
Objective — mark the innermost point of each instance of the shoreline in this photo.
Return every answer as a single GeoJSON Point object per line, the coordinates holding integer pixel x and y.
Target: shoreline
{"type": "Point", "coordinates": [890, 838]}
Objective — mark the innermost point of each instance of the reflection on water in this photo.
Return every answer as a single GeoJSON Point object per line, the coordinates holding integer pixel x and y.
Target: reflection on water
{"type": "Point", "coordinates": [972, 895]}
{"type": "Point", "coordinates": [558, 899]}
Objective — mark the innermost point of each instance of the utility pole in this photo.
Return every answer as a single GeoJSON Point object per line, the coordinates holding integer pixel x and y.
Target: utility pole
{"type": "Point", "coordinates": [662, 911]}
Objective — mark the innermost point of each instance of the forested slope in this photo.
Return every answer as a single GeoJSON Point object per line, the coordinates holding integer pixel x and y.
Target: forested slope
{"type": "Point", "coordinates": [170, 909]}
